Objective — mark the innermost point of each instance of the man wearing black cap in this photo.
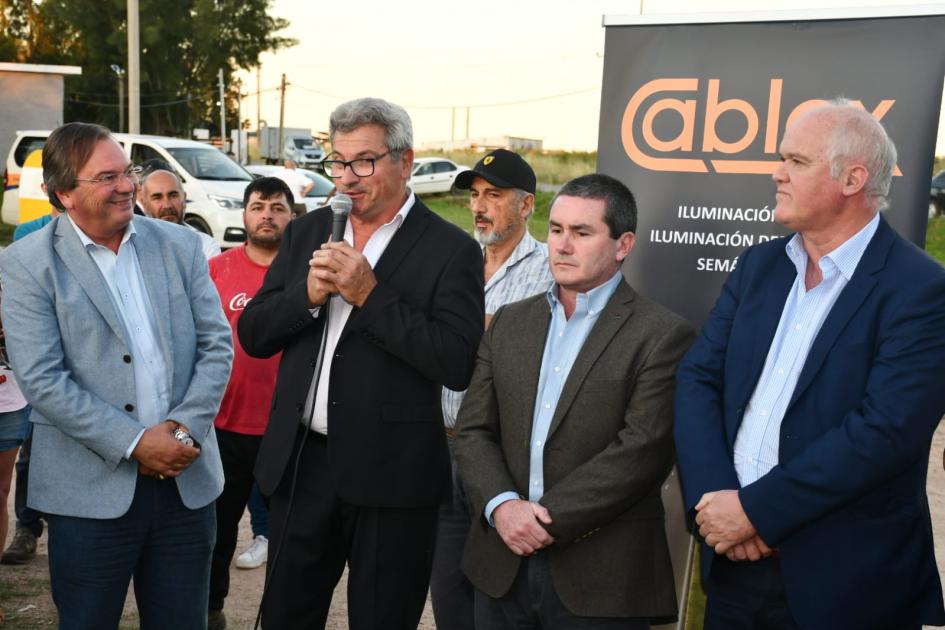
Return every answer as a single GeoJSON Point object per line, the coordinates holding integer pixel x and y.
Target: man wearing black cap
{"type": "Point", "coordinates": [501, 198]}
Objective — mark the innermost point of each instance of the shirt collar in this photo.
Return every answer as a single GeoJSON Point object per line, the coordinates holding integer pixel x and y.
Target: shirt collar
{"type": "Point", "coordinates": [845, 257]}
{"type": "Point", "coordinates": [594, 300]}
{"type": "Point", "coordinates": [399, 218]}
{"type": "Point", "coordinates": [86, 241]}
{"type": "Point", "coordinates": [527, 246]}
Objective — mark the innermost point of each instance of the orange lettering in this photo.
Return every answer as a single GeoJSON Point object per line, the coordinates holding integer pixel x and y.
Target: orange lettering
{"type": "Point", "coordinates": [629, 115]}
{"type": "Point", "coordinates": [714, 109]}
{"type": "Point", "coordinates": [682, 142]}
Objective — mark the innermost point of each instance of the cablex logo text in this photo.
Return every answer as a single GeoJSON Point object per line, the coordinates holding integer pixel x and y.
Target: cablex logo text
{"type": "Point", "coordinates": [716, 155]}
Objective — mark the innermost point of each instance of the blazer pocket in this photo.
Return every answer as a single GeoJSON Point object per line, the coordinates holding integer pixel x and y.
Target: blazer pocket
{"type": "Point", "coordinates": [411, 413]}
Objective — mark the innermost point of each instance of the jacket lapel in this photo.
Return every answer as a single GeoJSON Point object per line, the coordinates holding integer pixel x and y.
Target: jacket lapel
{"type": "Point", "coordinates": [529, 348]}
{"type": "Point", "coordinates": [74, 258]}
{"type": "Point", "coordinates": [776, 284]}
{"type": "Point", "coordinates": [846, 306]}
{"type": "Point", "coordinates": [415, 224]}
{"type": "Point", "coordinates": [154, 273]}
{"type": "Point", "coordinates": [614, 316]}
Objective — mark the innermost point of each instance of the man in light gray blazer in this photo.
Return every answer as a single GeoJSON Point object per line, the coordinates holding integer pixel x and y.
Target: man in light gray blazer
{"type": "Point", "coordinates": [565, 435]}
{"type": "Point", "coordinates": [119, 343]}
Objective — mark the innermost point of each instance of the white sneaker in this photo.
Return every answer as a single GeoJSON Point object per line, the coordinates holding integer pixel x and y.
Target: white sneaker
{"type": "Point", "coordinates": [255, 555]}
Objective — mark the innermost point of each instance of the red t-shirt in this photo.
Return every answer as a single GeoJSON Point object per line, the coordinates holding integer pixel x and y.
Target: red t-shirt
{"type": "Point", "coordinates": [248, 396]}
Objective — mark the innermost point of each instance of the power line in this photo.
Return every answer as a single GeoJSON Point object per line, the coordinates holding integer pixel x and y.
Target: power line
{"type": "Point", "coordinates": [535, 99]}
{"type": "Point", "coordinates": [164, 104]}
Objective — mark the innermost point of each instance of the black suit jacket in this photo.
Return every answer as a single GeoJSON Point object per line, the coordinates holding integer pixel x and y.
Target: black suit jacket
{"type": "Point", "coordinates": [417, 331]}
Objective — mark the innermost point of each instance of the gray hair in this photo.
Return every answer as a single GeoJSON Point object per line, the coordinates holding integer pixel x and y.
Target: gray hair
{"type": "Point", "coordinates": [65, 152]}
{"type": "Point", "coordinates": [520, 197]}
{"type": "Point", "coordinates": [857, 136]}
{"type": "Point", "coordinates": [620, 208]}
{"type": "Point", "coordinates": [398, 130]}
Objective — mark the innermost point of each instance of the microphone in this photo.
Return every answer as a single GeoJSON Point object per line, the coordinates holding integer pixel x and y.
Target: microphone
{"type": "Point", "coordinates": [340, 207]}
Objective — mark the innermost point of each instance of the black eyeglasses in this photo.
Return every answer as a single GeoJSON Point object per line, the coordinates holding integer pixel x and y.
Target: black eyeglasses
{"type": "Point", "coordinates": [361, 167]}
{"type": "Point", "coordinates": [132, 174]}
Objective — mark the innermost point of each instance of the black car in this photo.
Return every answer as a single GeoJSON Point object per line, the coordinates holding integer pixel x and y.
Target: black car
{"type": "Point", "coordinates": [937, 196]}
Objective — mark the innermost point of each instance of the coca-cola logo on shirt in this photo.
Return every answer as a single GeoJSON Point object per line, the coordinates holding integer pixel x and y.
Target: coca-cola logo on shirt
{"type": "Point", "coordinates": [239, 302]}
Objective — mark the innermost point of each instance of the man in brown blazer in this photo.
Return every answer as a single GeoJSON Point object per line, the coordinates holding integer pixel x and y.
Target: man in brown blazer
{"type": "Point", "coordinates": [565, 435]}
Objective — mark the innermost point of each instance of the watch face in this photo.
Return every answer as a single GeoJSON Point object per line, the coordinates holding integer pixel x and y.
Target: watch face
{"type": "Point", "coordinates": [183, 437]}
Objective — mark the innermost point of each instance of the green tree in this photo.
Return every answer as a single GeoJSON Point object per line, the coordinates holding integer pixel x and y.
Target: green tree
{"type": "Point", "coordinates": [183, 45]}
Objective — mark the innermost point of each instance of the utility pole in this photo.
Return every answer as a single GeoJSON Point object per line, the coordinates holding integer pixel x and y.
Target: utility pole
{"type": "Point", "coordinates": [134, 69]}
{"type": "Point", "coordinates": [222, 112]}
{"type": "Point", "coordinates": [467, 122]}
{"type": "Point", "coordinates": [281, 112]}
{"type": "Point", "coordinates": [120, 74]}
{"type": "Point", "coordinates": [239, 121]}
{"type": "Point", "coordinates": [258, 103]}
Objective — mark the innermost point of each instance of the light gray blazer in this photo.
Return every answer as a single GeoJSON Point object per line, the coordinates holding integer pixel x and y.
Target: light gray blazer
{"type": "Point", "coordinates": [69, 351]}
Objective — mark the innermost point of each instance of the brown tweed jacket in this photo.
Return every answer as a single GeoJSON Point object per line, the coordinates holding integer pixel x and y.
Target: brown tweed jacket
{"type": "Point", "coordinates": [608, 450]}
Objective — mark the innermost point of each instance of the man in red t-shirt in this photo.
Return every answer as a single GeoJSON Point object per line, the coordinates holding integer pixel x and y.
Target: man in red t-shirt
{"type": "Point", "coordinates": [244, 412]}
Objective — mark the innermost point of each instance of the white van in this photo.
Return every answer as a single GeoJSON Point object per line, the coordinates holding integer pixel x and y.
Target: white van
{"type": "Point", "coordinates": [213, 182]}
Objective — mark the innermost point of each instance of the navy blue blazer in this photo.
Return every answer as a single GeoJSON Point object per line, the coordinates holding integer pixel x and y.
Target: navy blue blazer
{"type": "Point", "coordinates": [846, 504]}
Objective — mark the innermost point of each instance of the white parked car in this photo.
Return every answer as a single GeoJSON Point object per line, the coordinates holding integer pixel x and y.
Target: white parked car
{"type": "Point", "coordinates": [434, 175]}
{"type": "Point", "coordinates": [213, 182]}
{"type": "Point", "coordinates": [316, 197]}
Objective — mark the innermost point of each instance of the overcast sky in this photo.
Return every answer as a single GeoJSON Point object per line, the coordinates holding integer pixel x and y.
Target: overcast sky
{"type": "Point", "coordinates": [523, 67]}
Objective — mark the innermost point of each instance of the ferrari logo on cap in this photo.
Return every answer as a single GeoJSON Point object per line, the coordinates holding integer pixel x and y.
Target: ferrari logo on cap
{"type": "Point", "coordinates": [488, 160]}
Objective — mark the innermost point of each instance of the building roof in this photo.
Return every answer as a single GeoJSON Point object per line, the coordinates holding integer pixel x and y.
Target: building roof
{"type": "Point", "coordinates": [39, 68]}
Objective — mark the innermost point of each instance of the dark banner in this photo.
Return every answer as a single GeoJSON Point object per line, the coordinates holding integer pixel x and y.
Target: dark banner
{"type": "Point", "coordinates": [691, 118]}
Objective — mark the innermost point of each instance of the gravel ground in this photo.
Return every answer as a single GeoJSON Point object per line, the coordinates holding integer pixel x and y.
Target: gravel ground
{"type": "Point", "coordinates": [24, 590]}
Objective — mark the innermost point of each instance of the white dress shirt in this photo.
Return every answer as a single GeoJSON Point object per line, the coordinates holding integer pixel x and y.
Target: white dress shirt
{"type": "Point", "coordinates": [122, 275]}
{"type": "Point", "coordinates": [338, 313]}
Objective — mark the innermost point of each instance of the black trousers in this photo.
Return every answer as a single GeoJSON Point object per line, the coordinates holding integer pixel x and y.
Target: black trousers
{"type": "Point", "coordinates": [452, 593]}
{"type": "Point", "coordinates": [25, 516]}
{"type": "Point", "coordinates": [388, 551]}
{"type": "Point", "coordinates": [238, 454]}
{"type": "Point", "coordinates": [533, 604]}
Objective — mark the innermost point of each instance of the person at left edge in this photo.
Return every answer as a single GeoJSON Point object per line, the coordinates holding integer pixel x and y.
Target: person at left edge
{"type": "Point", "coordinates": [117, 338]}
{"type": "Point", "coordinates": [404, 318]}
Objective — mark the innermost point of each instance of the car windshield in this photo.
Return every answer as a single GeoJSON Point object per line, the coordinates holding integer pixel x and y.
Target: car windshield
{"type": "Point", "coordinates": [302, 143]}
{"type": "Point", "coordinates": [209, 163]}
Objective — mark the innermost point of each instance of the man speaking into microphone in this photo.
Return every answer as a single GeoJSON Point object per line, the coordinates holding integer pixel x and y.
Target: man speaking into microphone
{"type": "Point", "coordinates": [370, 327]}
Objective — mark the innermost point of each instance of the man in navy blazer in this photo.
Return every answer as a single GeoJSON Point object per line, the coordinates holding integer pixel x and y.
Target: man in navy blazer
{"type": "Point", "coordinates": [805, 410]}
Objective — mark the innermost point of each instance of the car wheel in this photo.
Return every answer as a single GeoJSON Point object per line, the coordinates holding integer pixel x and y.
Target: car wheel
{"type": "Point", "coordinates": [935, 208]}
{"type": "Point", "coordinates": [198, 224]}
{"type": "Point", "coordinates": [457, 192]}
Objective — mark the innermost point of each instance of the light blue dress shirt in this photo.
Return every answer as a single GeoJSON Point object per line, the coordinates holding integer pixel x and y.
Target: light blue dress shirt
{"type": "Point", "coordinates": [122, 275]}
{"type": "Point", "coordinates": [565, 339]}
{"type": "Point", "coordinates": [757, 442]}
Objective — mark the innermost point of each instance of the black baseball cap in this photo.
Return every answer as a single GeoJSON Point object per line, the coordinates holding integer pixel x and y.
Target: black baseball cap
{"type": "Point", "coordinates": [501, 168]}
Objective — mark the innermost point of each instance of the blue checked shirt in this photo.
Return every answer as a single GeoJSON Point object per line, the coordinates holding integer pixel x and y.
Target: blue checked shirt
{"type": "Point", "coordinates": [524, 274]}
{"type": "Point", "coordinates": [564, 341]}
{"type": "Point", "coordinates": [756, 445]}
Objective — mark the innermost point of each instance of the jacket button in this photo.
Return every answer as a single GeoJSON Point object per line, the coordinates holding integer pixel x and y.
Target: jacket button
{"type": "Point", "coordinates": [126, 358]}
{"type": "Point", "coordinates": [129, 407]}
